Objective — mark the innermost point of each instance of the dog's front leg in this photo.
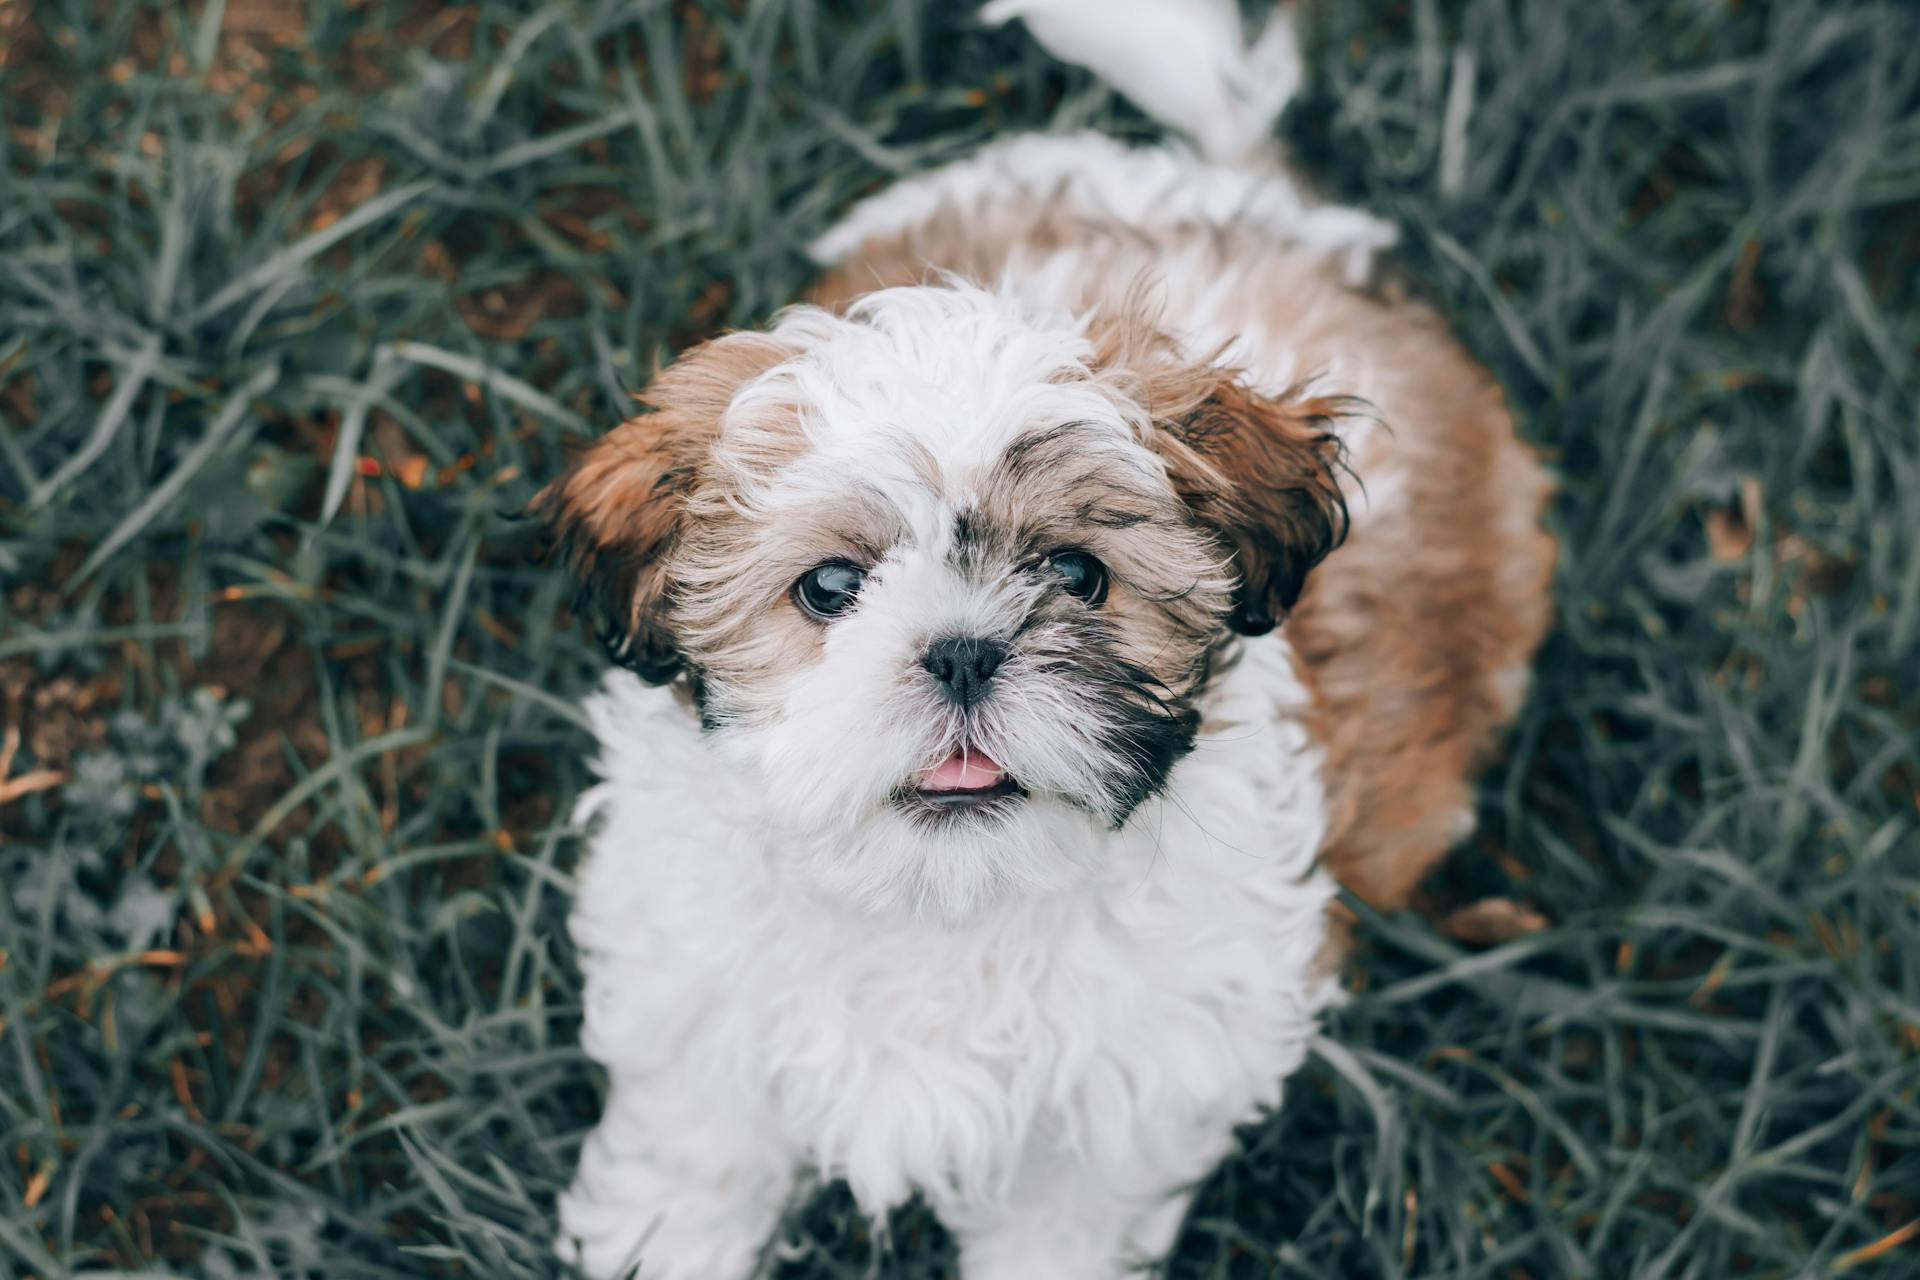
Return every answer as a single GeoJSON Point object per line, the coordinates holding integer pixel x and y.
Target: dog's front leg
{"type": "Point", "coordinates": [1067, 1220]}
{"type": "Point", "coordinates": [681, 1177]}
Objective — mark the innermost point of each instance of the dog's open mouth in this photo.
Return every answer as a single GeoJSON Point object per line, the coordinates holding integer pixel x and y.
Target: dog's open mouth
{"type": "Point", "coordinates": [965, 781]}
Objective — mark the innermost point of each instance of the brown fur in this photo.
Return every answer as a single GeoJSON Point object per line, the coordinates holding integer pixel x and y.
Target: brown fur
{"type": "Point", "coordinates": [619, 512]}
{"type": "Point", "coordinates": [976, 244]}
{"type": "Point", "coordinates": [1259, 472]}
{"type": "Point", "coordinates": [735, 609]}
{"type": "Point", "coordinates": [1412, 635]}
{"type": "Point", "coordinates": [1050, 492]}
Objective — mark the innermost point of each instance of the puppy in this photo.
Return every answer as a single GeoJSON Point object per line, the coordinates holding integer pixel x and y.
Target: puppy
{"type": "Point", "coordinates": [992, 734]}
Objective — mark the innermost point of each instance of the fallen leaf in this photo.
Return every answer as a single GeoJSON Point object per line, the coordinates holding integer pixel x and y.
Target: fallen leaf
{"type": "Point", "coordinates": [411, 471]}
{"type": "Point", "coordinates": [27, 783]}
{"type": "Point", "coordinates": [1492, 920]}
{"type": "Point", "coordinates": [1730, 529]}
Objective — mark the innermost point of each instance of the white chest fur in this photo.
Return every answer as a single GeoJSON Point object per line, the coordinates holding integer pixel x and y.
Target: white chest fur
{"type": "Point", "coordinates": [1129, 1018]}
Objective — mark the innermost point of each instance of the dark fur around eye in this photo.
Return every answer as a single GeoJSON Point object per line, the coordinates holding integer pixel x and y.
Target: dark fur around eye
{"type": "Point", "coordinates": [1145, 725]}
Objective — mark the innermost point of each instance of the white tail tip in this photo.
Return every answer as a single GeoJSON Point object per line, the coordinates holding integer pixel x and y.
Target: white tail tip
{"type": "Point", "coordinates": [1186, 63]}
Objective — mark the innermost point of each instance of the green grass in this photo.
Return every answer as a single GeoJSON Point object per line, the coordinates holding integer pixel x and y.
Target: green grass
{"type": "Point", "coordinates": [283, 983]}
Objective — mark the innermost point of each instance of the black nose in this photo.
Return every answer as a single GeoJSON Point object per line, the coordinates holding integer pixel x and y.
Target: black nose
{"type": "Point", "coordinates": [964, 666]}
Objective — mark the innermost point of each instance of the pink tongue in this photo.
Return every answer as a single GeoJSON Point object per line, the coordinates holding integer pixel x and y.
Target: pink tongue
{"type": "Point", "coordinates": [973, 771]}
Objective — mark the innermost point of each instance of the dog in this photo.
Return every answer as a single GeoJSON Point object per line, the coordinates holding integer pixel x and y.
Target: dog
{"type": "Point", "coordinates": [1018, 644]}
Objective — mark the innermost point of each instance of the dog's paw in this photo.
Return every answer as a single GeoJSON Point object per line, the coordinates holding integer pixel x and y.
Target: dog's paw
{"type": "Point", "coordinates": [637, 1225]}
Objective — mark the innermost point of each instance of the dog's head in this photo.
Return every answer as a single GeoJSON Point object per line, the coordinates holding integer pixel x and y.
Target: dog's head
{"type": "Point", "coordinates": [945, 577]}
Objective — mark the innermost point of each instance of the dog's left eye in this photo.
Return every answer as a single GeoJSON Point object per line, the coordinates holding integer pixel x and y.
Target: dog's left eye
{"type": "Point", "coordinates": [1080, 574]}
{"type": "Point", "coordinates": [827, 590]}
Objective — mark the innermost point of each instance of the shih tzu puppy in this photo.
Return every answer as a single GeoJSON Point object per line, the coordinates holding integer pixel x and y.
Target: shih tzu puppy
{"type": "Point", "coordinates": [992, 734]}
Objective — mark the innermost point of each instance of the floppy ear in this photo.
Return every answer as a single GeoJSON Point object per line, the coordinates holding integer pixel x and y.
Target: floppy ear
{"type": "Point", "coordinates": [1263, 473]}
{"type": "Point", "coordinates": [619, 512]}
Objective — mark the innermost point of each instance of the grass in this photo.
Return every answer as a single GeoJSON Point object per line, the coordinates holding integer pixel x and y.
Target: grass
{"type": "Point", "coordinates": [297, 307]}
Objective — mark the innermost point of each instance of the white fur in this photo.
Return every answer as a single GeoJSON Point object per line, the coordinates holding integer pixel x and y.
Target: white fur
{"type": "Point", "coordinates": [1184, 62]}
{"type": "Point", "coordinates": [1096, 177]}
{"type": "Point", "coordinates": [1049, 1075]}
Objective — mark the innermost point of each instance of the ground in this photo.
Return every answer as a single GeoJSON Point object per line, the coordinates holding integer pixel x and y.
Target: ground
{"type": "Point", "coordinates": [299, 303]}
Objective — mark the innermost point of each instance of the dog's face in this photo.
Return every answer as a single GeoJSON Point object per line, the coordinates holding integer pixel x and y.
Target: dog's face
{"type": "Point", "coordinates": [945, 579]}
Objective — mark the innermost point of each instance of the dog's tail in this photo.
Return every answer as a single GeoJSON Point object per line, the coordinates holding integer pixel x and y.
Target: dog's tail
{"type": "Point", "coordinates": [1191, 65]}
{"type": "Point", "coordinates": [1187, 63]}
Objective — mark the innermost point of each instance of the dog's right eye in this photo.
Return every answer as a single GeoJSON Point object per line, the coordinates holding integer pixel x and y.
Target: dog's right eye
{"type": "Point", "coordinates": [827, 591]}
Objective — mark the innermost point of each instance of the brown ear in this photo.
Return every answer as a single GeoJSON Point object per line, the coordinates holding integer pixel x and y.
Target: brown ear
{"type": "Point", "coordinates": [618, 513]}
{"type": "Point", "coordinates": [1262, 473]}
